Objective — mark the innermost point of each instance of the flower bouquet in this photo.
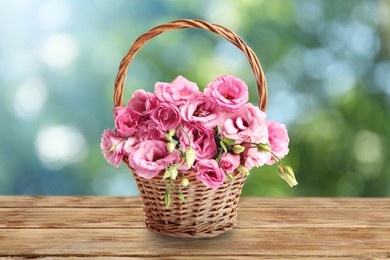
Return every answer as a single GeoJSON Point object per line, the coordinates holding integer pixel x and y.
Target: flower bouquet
{"type": "Point", "coordinates": [190, 151]}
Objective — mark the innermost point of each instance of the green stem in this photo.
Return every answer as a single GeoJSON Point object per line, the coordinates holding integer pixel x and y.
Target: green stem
{"type": "Point", "coordinates": [185, 132]}
{"type": "Point", "coordinates": [113, 148]}
{"type": "Point", "coordinates": [274, 156]}
{"type": "Point", "coordinates": [167, 196]}
{"type": "Point", "coordinates": [219, 156]}
{"type": "Point", "coordinates": [182, 162]}
{"type": "Point", "coordinates": [277, 159]}
{"type": "Point", "coordinates": [179, 194]}
{"type": "Point", "coordinates": [250, 143]}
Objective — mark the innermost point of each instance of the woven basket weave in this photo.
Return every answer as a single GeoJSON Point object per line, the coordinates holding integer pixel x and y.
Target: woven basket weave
{"type": "Point", "coordinates": [207, 212]}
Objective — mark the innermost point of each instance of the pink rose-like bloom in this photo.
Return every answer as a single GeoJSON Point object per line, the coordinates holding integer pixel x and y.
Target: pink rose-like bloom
{"type": "Point", "coordinates": [230, 92]}
{"type": "Point", "coordinates": [210, 174]}
{"type": "Point", "coordinates": [247, 124]}
{"type": "Point", "coordinates": [278, 139]}
{"type": "Point", "coordinates": [254, 158]}
{"type": "Point", "coordinates": [150, 157]}
{"type": "Point", "coordinates": [126, 121]}
{"type": "Point", "coordinates": [202, 139]}
{"type": "Point", "coordinates": [177, 92]}
{"type": "Point", "coordinates": [202, 109]}
{"type": "Point", "coordinates": [110, 139]}
{"type": "Point", "coordinates": [142, 102]}
{"type": "Point", "coordinates": [167, 116]}
{"type": "Point", "coordinates": [229, 162]}
{"type": "Point", "coordinates": [149, 130]}
{"type": "Point", "coordinates": [129, 143]}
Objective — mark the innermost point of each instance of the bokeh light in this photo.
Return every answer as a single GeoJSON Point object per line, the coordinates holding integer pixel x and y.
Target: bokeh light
{"type": "Point", "coordinates": [30, 97]}
{"type": "Point", "coordinates": [60, 50]}
{"type": "Point", "coordinates": [59, 145]}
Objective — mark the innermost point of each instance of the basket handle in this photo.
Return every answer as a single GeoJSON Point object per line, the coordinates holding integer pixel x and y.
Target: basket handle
{"type": "Point", "coordinates": [184, 24]}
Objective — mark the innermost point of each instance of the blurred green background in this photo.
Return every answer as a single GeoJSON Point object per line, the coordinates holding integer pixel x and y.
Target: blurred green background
{"type": "Point", "coordinates": [326, 62]}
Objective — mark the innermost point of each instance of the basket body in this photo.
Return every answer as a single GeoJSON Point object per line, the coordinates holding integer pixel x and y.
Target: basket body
{"type": "Point", "coordinates": [207, 213]}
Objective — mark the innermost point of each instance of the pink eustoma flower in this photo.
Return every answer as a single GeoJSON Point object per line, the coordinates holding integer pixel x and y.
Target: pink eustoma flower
{"type": "Point", "coordinates": [254, 158]}
{"type": "Point", "coordinates": [177, 92]}
{"type": "Point", "coordinates": [112, 147]}
{"type": "Point", "coordinates": [150, 157]}
{"type": "Point", "coordinates": [229, 92]}
{"type": "Point", "coordinates": [149, 130]}
{"type": "Point", "coordinates": [210, 174]}
{"type": "Point", "coordinates": [229, 162]}
{"type": "Point", "coordinates": [278, 139]}
{"type": "Point", "coordinates": [247, 124]}
{"type": "Point", "coordinates": [167, 116]}
{"type": "Point", "coordinates": [126, 121]}
{"type": "Point", "coordinates": [143, 102]}
{"type": "Point", "coordinates": [202, 109]}
{"type": "Point", "coordinates": [129, 143]}
{"type": "Point", "coordinates": [202, 138]}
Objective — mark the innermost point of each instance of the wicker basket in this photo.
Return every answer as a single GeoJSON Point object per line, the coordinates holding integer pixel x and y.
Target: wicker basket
{"type": "Point", "coordinates": [207, 212]}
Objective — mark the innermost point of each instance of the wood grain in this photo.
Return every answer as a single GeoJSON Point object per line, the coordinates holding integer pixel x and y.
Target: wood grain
{"type": "Point", "coordinates": [131, 218]}
{"type": "Point", "coordinates": [112, 227]}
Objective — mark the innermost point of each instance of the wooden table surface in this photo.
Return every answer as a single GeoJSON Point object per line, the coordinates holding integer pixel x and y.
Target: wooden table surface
{"type": "Point", "coordinates": [113, 227]}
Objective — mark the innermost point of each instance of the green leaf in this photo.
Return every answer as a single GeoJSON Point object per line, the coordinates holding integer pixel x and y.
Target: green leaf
{"type": "Point", "coordinates": [167, 197]}
{"type": "Point", "coordinates": [167, 173]}
{"type": "Point", "coordinates": [218, 130]}
{"type": "Point", "coordinates": [229, 141]}
{"type": "Point", "coordinates": [224, 148]}
{"type": "Point", "coordinates": [181, 197]}
{"type": "Point", "coordinates": [218, 159]}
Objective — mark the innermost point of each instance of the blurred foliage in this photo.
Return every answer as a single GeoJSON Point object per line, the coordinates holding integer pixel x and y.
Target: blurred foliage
{"type": "Point", "coordinates": [327, 66]}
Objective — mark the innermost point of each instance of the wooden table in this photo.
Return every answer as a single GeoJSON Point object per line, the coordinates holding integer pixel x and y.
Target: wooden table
{"type": "Point", "coordinates": [35, 227]}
